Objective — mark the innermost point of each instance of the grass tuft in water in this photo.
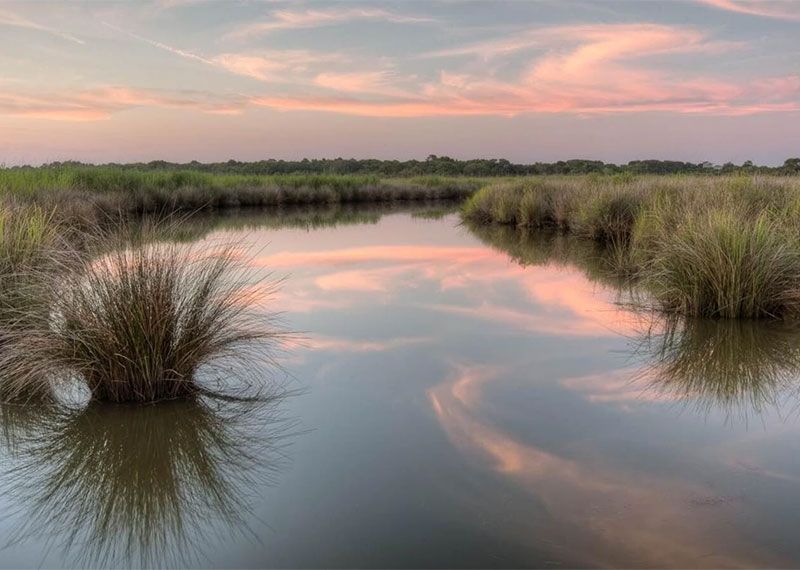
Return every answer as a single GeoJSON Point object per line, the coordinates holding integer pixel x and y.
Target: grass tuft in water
{"type": "Point", "coordinates": [139, 324]}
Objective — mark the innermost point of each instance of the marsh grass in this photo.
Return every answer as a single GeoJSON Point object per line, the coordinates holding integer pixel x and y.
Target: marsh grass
{"type": "Point", "coordinates": [109, 190]}
{"type": "Point", "coordinates": [721, 263]}
{"type": "Point", "coordinates": [726, 247]}
{"type": "Point", "coordinates": [141, 323]}
{"type": "Point", "coordinates": [30, 242]}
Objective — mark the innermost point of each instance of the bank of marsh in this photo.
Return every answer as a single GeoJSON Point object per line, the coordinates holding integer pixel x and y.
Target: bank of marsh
{"type": "Point", "coordinates": [701, 246]}
{"type": "Point", "coordinates": [109, 190]}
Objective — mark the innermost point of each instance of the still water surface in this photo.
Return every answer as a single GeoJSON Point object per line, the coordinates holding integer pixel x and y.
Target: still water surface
{"type": "Point", "coordinates": [465, 399]}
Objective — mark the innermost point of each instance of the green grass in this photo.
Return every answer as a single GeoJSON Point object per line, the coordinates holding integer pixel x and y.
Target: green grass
{"type": "Point", "coordinates": [724, 247]}
{"type": "Point", "coordinates": [111, 190]}
{"type": "Point", "coordinates": [137, 324]}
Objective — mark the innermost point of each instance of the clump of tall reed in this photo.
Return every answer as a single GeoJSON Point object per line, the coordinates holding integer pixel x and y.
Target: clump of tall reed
{"type": "Point", "coordinates": [30, 240]}
{"type": "Point", "coordinates": [722, 263]}
{"type": "Point", "coordinates": [140, 323]}
{"type": "Point", "coordinates": [701, 247]}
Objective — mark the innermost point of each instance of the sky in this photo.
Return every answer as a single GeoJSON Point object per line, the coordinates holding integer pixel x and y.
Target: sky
{"type": "Point", "coordinates": [185, 80]}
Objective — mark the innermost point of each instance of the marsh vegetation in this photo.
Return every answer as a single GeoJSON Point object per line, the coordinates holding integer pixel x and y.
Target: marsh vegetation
{"type": "Point", "coordinates": [101, 192]}
{"type": "Point", "coordinates": [187, 480]}
{"type": "Point", "coordinates": [724, 247]}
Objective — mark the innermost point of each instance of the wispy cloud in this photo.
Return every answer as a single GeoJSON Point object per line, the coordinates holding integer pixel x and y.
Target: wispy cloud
{"type": "Point", "coordinates": [264, 65]}
{"type": "Point", "coordinates": [363, 82]}
{"type": "Point", "coordinates": [585, 69]}
{"type": "Point", "coordinates": [102, 102]}
{"type": "Point", "coordinates": [780, 10]}
{"type": "Point", "coordinates": [162, 46]}
{"type": "Point", "coordinates": [597, 69]}
{"type": "Point", "coordinates": [278, 65]}
{"type": "Point", "coordinates": [614, 39]}
{"type": "Point", "coordinates": [316, 18]}
{"type": "Point", "coordinates": [17, 21]}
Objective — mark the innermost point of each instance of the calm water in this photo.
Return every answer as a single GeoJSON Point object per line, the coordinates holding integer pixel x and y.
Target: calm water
{"type": "Point", "coordinates": [464, 400]}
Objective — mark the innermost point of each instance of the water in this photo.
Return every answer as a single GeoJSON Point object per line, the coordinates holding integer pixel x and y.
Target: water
{"type": "Point", "coordinates": [465, 399]}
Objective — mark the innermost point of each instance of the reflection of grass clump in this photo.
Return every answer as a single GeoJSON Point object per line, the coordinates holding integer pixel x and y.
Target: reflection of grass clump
{"type": "Point", "coordinates": [731, 364]}
{"type": "Point", "coordinates": [144, 485]}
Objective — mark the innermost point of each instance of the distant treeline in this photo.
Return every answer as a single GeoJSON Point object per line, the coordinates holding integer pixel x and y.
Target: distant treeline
{"type": "Point", "coordinates": [446, 166]}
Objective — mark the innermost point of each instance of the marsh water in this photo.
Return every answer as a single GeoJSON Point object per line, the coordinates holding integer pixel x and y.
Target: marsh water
{"type": "Point", "coordinates": [460, 398]}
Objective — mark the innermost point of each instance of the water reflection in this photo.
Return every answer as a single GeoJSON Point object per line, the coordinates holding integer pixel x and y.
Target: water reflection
{"type": "Point", "coordinates": [309, 218]}
{"type": "Point", "coordinates": [137, 485]}
{"type": "Point", "coordinates": [605, 514]}
{"type": "Point", "coordinates": [552, 249]}
{"type": "Point", "coordinates": [506, 413]}
{"type": "Point", "coordinates": [740, 366]}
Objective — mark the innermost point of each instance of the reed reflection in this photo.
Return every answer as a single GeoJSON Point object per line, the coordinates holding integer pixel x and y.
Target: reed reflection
{"type": "Point", "coordinates": [739, 366]}
{"type": "Point", "coordinates": [134, 485]}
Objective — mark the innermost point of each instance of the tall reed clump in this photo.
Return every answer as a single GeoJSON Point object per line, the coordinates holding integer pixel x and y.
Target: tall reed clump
{"type": "Point", "coordinates": [139, 324]}
{"type": "Point", "coordinates": [32, 244]}
{"type": "Point", "coordinates": [723, 247]}
{"type": "Point", "coordinates": [723, 263]}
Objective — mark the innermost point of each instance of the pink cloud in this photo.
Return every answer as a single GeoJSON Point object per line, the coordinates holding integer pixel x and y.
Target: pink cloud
{"type": "Point", "coordinates": [372, 82]}
{"type": "Point", "coordinates": [335, 344]}
{"type": "Point", "coordinates": [623, 516]}
{"type": "Point", "coordinates": [580, 308]}
{"type": "Point", "coordinates": [315, 18]}
{"type": "Point", "coordinates": [585, 69]}
{"type": "Point", "coordinates": [281, 65]}
{"type": "Point", "coordinates": [780, 10]}
{"type": "Point", "coordinates": [624, 386]}
{"type": "Point", "coordinates": [103, 102]}
{"type": "Point", "coordinates": [588, 69]}
{"type": "Point", "coordinates": [371, 254]}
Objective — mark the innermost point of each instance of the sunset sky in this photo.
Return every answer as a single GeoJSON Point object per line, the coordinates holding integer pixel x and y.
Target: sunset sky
{"type": "Point", "coordinates": [179, 80]}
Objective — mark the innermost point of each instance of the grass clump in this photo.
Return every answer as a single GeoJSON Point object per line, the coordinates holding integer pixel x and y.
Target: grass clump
{"type": "Point", "coordinates": [29, 240]}
{"type": "Point", "coordinates": [721, 263]}
{"type": "Point", "coordinates": [138, 324]}
{"type": "Point", "coordinates": [725, 247]}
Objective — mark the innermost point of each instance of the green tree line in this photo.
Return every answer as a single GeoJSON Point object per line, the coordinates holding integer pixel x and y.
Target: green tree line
{"type": "Point", "coordinates": [446, 166]}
